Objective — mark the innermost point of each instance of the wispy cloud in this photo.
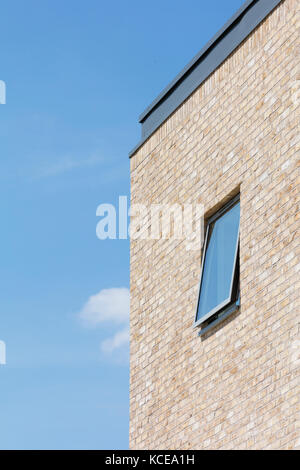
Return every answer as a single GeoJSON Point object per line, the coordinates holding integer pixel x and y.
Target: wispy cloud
{"type": "Point", "coordinates": [110, 306]}
{"type": "Point", "coordinates": [67, 164]}
{"type": "Point", "coordinates": [121, 338]}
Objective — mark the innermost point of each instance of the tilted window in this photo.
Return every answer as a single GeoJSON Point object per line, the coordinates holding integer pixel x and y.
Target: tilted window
{"type": "Point", "coordinates": [219, 282]}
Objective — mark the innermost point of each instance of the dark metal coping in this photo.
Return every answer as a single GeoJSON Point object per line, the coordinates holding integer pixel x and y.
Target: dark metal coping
{"type": "Point", "coordinates": [233, 33]}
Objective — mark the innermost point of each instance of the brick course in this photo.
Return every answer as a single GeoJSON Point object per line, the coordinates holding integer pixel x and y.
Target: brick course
{"type": "Point", "coordinates": [238, 386]}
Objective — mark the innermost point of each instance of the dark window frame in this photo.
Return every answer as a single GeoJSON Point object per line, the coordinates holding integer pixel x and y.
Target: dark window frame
{"type": "Point", "coordinates": [232, 302]}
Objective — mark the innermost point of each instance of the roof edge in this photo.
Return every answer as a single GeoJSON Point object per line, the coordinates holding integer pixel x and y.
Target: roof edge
{"type": "Point", "coordinates": [195, 59]}
{"type": "Point", "coordinates": [210, 57]}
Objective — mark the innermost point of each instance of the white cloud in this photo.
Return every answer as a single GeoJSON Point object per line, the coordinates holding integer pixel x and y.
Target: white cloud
{"type": "Point", "coordinates": [110, 306]}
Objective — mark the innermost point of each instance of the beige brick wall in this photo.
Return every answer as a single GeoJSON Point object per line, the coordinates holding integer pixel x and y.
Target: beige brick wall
{"type": "Point", "coordinates": [238, 386]}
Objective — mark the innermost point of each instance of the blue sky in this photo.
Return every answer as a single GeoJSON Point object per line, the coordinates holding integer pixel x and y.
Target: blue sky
{"type": "Point", "coordinates": [77, 74]}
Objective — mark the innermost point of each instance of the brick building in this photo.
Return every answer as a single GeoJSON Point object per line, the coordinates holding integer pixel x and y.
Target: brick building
{"type": "Point", "coordinates": [217, 366]}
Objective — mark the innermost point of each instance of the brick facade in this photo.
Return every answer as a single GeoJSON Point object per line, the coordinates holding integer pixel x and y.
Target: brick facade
{"type": "Point", "coordinates": [236, 387]}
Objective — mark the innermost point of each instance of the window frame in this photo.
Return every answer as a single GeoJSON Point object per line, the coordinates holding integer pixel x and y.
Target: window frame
{"type": "Point", "coordinates": [233, 297]}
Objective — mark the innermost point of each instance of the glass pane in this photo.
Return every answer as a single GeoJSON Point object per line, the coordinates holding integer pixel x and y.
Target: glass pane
{"type": "Point", "coordinates": [219, 261]}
